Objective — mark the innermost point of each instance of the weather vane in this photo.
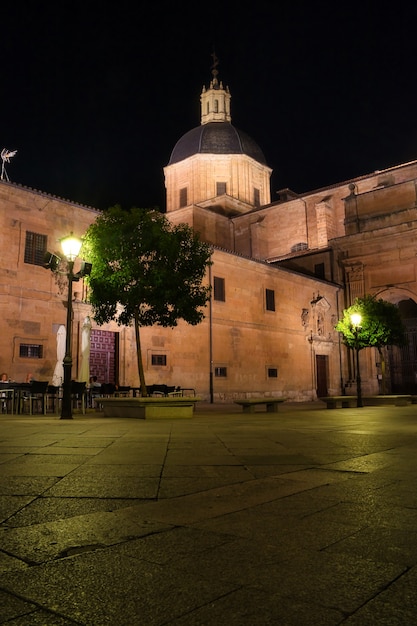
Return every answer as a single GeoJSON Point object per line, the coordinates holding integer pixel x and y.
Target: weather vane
{"type": "Point", "coordinates": [6, 155]}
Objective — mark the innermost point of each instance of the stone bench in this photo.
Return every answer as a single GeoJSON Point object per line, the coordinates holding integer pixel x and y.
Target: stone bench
{"type": "Point", "coordinates": [248, 405]}
{"type": "Point", "coordinates": [150, 407]}
{"type": "Point", "coordinates": [340, 402]}
{"type": "Point", "coordinates": [345, 402]}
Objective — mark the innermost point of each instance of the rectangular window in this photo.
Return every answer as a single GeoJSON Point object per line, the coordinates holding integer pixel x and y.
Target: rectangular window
{"type": "Point", "coordinates": [219, 289]}
{"type": "Point", "coordinates": [159, 359]}
{"type": "Point", "coordinates": [270, 299]}
{"type": "Point", "coordinates": [256, 197]}
{"type": "Point", "coordinates": [30, 351]}
{"type": "Point", "coordinates": [272, 372]}
{"type": "Point", "coordinates": [319, 270]}
{"type": "Point", "coordinates": [35, 248]}
{"type": "Point", "coordinates": [220, 372]}
{"type": "Point", "coordinates": [220, 189]}
{"type": "Point", "coordinates": [183, 197]}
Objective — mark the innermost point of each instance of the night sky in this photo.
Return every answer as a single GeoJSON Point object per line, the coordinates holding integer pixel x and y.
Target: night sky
{"type": "Point", "coordinates": [94, 95]}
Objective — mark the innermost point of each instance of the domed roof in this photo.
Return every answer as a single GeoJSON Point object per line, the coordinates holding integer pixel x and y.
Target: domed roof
{"type": "Point", "coordinates": [216, 138]}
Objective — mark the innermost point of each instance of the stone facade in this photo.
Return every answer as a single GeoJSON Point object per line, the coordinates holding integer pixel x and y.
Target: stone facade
{"type": "Point", "coordinates": [282, 273]}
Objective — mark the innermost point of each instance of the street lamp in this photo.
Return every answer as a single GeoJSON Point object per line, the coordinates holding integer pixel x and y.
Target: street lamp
{"type": "Point", "coordinates": [71, 246]}
{"type": "Point", "coordinates": [356, 319]}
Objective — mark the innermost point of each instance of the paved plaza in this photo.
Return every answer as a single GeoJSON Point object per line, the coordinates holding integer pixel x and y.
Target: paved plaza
{"type": "Point", "coordinates": [303, 517]}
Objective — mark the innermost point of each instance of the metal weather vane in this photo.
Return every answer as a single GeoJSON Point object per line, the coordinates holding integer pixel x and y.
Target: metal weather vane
{"type": "Point", "coordinates": [6, 155]}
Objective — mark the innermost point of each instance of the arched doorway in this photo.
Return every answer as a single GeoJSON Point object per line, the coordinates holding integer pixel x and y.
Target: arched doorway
{"type": "Point", "coordinates": [403, 360]}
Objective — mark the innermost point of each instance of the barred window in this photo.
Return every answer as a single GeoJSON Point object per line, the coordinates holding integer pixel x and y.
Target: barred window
{"type": "Point", "coordinates": [272, 372]}
{"type": "Point", "coordinates": [35, 248]}
{"type": "Point", "coordinates": [220, 372]}
{"type": "Point", "coordinates": [30, 351]}
{"type": "Point", "coordinates": [159, 359]}
{"type": "Point", "coordinates": [220, 189]}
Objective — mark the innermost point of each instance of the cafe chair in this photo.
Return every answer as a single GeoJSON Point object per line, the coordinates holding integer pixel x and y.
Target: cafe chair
{"type": "Point", "coordinates": [53, 398]}
{"type": "Point", "coordinates": [36, 397]}
{"type": "Point", "coordinates": [122, 391]}
{"type": "Point", "coordinates": [79, 395]}
{"type": "Point", "coordinates": [7, 400]}
{"type": "Point", "coordinates": [107, 390]}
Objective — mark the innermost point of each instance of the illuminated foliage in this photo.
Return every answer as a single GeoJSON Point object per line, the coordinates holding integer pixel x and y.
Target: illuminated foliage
{"type": "Point", "coordinates": [381, 324]}
{"type": "Point", "coordinates": [145, 271]}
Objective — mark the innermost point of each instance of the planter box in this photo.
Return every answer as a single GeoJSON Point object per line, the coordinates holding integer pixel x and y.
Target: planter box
{"type": "Point", "coordinates": [149, 408]}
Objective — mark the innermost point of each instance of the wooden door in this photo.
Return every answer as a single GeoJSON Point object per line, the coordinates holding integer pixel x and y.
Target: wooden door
{"type": "Point", "coordinates": [321, 372]}
{"type": "Point", "coordinates": [103, 356]}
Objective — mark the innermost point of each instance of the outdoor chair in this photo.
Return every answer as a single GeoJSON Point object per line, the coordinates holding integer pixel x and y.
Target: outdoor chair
{"type": "Point", "coordinates": [35, 397]}
{"type": "Point", "coordinates": [53, 398]}
{"type": "Point", "coordinates": [122, 392]}
{"type": "Point", "coordinates": [79, 395]}
{"type": "Point", "coordinates": [7, 400]}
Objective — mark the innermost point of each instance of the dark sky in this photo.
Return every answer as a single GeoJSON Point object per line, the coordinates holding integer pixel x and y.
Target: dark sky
{"type": "Point", "coordinates": [95, 95]}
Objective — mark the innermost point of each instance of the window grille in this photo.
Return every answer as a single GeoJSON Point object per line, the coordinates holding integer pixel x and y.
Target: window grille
{"type": "Point", "coordinates": [220, 372]}
{"type": "Point", "coordinates": [159, 359]}
{"type": "Point", "coordinates": [30, 351]}
{"type": "Point", "coordinates": [35, 248]}
{"type": "Point", "coordinates": [220, 189]}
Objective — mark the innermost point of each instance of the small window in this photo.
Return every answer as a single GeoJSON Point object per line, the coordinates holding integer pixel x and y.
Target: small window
{"type": "Point", "coordinates": [159, 359]}
{"type": "Point", "coordinates": [219, 289]}
{"type": "Point", "coordinates": [220, 372]}
{"type": "Point", "coordinates": [30, 351]}
{"type": "Point", "coordinates": [220, 189]}
{"type": "Point", "coordinates": [216, 106]}
{"type": "Point", "coordinates": [270, 299]}
{"type": "Point", "coordinates": [183, 197]}
{"type": "Point", "coordinates": [319, 270]}
{"type": "Point", "coordinates": [35, 248]}
{"type": "Point", "coordinates": [272, 372]}
{"type": "Point", "coordinates": [298, 247]}
{"type": "Point", "coordinates": [256, 197]}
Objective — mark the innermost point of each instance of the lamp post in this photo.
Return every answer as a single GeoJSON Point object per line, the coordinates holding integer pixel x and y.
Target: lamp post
{"type": "Point", "coordinates": [71, 246]}
{"type": "Point", "coordinates": [356, 320]}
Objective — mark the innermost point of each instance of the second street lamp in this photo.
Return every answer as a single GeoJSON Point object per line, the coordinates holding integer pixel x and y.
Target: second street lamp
{"type": "Point", "coordinates": [71, 246]}
{"type": "Point", "coordinates": [356, 320]}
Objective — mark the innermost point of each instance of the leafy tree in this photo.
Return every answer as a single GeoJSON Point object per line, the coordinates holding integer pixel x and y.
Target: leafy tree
{"type": "Point", "coordinates": [381, 325]}
{"type": "Point", "coordinates": [145, 271]}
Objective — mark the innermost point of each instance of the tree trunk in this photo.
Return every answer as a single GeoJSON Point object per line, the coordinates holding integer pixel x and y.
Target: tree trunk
{"type": "Point", "coordinates": [139, 359]}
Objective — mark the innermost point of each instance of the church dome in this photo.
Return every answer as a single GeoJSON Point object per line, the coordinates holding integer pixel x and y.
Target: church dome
{"type": "Point", "coordinates": [216, 138]}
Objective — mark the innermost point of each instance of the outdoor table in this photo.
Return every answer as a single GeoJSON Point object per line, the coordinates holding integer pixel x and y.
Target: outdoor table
{"type": "Point", "coordinates": [19, 390]}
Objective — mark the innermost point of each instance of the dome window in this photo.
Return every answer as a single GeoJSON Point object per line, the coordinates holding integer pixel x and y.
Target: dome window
{"type": "Point", "coordinates": [183, 197]}
{"type": "Point", "coordinates": [220, 189]}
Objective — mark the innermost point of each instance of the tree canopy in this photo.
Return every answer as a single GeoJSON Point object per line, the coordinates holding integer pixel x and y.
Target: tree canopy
{"type": "Point", "coordinates": [381, 324]}
{"type": "Point", "coordinates": [145, 271]}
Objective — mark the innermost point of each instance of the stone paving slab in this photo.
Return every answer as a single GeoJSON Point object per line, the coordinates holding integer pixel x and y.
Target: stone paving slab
{"type": "Point", "coordinates": [305, 517]}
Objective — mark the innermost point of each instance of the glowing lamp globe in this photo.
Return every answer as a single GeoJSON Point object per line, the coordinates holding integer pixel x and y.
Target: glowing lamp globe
{"type": "Point", "coordinates": [356, 319]}
{"type": "Point", "coordinates": [71, 246]}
